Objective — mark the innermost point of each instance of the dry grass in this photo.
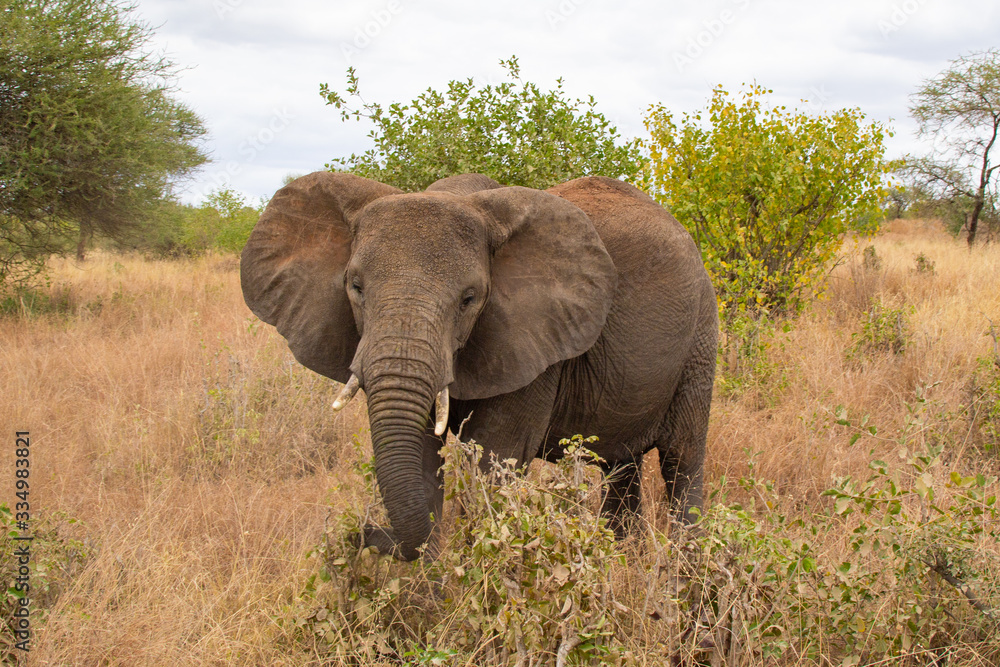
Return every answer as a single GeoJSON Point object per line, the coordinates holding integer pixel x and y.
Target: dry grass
{"type": "Point", "coordinates": [197, 455]}
{"type": "Point", "coordinates": [201, 459]}
{"type": "Point", "coordinates": [949, 313]}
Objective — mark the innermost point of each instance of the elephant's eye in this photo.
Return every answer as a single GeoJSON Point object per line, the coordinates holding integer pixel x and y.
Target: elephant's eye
{"type": "Point", "coordinates": [356, 286]}
{"type": "Point", "coordinates": [468, 299]}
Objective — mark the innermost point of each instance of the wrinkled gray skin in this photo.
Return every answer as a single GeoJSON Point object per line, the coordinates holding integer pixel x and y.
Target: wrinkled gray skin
{"type": "Point", "coordinates": [583, 309]}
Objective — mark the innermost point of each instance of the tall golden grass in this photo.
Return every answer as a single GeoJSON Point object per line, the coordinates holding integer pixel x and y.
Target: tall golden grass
{"type": "Point", "coordinates": [202, 461]}
{"type": "Point", "coordinates": [950, 310]}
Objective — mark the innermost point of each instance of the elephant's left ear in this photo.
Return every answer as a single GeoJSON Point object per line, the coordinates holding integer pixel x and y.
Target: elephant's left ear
{"type": "Point", "coordinates": [292, 268]}
{"type": "Point", "coordinates": [552, 283]}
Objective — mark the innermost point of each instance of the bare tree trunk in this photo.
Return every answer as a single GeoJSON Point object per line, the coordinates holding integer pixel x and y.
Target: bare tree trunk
{"type": "Point", "coordinates": [86, 234]}
{"type": "Point", "coordinates": [984, 178]}
{"type": "Point", "coordinates": [972, 223]}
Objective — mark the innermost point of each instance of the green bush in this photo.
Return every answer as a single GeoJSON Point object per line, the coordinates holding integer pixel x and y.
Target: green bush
{"type": "Point", "coordinates": [222, 223]}
{"type": "Point", "coordinates": [513, 131]}
{"type": "Point", "coordinates": [526, 572]}
{"type": "Point", "coordinates": [744, 361]}
{"type": "Point", "coordinates": [899, 567]}
{"type": "Point", "coordinates": [918, 537]}
{"type": "Point", "coordinates": [984, 409]}
{"type": "Point", "coordinates": [924, 264]}
{"type": "Point", "coordinates": [767, 193]}
{"type": "Point", "coordinates": [885, 328]}
{"type": "Point", "coordinates": [31, 301]}
{"type": "Point", "coordinates": [870, 260]}
{"type": "Point", "coordinates": [919, 582]}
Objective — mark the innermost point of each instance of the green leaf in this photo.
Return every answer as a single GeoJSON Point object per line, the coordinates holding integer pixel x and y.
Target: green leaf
{"type": "Point", "coordinates": [923, 485]}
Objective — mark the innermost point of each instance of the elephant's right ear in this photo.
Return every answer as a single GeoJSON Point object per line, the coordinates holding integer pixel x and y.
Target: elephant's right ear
{"type": "Point", "coordinates": [292, 267]}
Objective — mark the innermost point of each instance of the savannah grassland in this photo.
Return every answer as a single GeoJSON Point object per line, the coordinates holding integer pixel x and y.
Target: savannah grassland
{"type": "Point", "coordinates": [201, 463]}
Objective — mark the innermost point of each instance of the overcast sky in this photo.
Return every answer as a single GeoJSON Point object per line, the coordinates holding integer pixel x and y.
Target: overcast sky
{"type": "Point", "coordinates": [252, 68]}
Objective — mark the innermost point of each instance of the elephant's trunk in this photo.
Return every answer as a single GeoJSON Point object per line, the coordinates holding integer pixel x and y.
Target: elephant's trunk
{"type": "Point", "coordinates": [401, 384]}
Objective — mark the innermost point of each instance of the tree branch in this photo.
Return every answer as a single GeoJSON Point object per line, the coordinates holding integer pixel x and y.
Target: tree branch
{"type": "Point", "coordinates": [941, 569]}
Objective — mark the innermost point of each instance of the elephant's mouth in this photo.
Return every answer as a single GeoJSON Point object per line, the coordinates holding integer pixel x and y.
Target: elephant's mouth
{"type": "Point", "coordinates": [441, 402]}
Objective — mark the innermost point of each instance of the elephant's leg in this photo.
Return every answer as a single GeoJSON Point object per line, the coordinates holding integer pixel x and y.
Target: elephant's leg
{"type": "Point", "coordinates": [623, 496]}
{"type": "Point", "coordinates": [681, 443]}
{"type": "Point", "coordinates": [683, 478]}
{"type": "Point", "coordinates": [433, 479]}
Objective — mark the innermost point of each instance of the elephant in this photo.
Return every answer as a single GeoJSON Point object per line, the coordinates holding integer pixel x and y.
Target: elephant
{"type": "Point", "coordinates": [517, 315]}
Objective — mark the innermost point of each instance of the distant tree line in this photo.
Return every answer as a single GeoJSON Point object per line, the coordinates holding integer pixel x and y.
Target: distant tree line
{"type": "Point", "coordinates": [221, 223]}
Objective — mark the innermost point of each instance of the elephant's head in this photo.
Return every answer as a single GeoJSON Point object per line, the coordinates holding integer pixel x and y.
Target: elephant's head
{"type": "Point", "coordinates": [469, 287]}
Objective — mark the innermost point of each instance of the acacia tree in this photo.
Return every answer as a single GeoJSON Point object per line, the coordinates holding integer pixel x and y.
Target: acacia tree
{"type": "Point", "coordinates": [90, 136]}
{"type": "Point", "coordinates": [766, 192]}
{"type": "Point", "coordinates": [959, 110]}
{"type": "Point", "coordinates": [512, 131]}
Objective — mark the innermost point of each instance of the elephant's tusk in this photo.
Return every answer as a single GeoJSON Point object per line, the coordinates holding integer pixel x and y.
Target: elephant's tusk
{"type": "Point", "coordinates": [347, 393]}
{"type": "Point", "coordinates": [441, 410]}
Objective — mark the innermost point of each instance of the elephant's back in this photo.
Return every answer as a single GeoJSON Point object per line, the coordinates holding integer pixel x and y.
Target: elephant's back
{"type": "Point", "coordinates": [634, 228]}
{"type": "Point", "coordinates": [621, 388]}
{"type": "Point", "coordinates": [662, 281]}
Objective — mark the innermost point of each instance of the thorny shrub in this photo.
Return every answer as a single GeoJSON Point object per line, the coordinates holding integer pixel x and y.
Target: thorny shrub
{"type": "Point", "coordinates": [870, 259]}
{"type": "Point", "coordinates": [526, 572]}
{"type": "Point", "coordinates": [917, 583]}
{"type": "Point", "coordinates": [984, 408]}
{"type": "Point", "coordinates": [885, 328]}
{"type": "Point", "coordinates": [898, 567]}
{"type": "Point", "coordinates": [924, 264]}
